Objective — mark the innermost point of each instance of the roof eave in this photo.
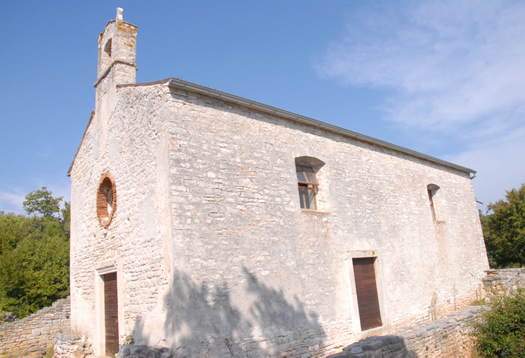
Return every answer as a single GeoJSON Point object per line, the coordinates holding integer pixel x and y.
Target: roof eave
{"type": "Point", "coordinates": [80, 145]}
{"type": "Point", "coordinates": [227, 97]}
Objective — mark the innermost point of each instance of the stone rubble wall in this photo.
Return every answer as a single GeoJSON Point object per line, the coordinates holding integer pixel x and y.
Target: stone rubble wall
{"type": "Point", "coordinates": [143, 351]}
{"type": "Point", "coordinates": [31, 335]}
{"type": "Point", "coordinates": [72, 345]}
{"type": "Point", "coordinates": [504, 281]}
{"type": "Point", "coordinates": [447, 337]}
{"type": "Point", "coordinates": [302, 343]}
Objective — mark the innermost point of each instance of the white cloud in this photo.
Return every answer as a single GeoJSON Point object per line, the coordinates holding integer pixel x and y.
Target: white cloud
{"type": "Point", "coordinates": [500, 165]}
{"type": "Point", "coordinates": [457, 71]}
{"type": "Point", "coordinates": [11, 202]}
{"type": "Point", "coordinates": [451, 63]}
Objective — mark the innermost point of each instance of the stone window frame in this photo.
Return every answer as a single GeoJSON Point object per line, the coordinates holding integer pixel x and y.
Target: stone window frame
{"type": "Point", "coordinates": [378, 257]}
{"type": "Point", "coordinates": [306, 169]}
{"type": "Point", "coordinates": [106, 199]}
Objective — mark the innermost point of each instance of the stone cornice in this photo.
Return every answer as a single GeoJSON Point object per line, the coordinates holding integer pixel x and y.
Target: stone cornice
{"type": "Point", "coordinates": [106, 72]}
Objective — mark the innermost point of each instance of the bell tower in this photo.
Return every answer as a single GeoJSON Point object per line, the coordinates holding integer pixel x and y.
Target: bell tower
{"type": "Point", "coordinates": [116, 56]}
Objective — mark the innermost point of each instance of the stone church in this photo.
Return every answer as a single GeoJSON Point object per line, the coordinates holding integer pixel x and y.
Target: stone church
{"type": "Point", "coordinates": [214, 225]}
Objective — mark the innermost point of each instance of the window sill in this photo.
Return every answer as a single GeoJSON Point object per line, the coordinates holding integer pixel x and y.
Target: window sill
{"type": "Point", "coordinates": [312, 212]}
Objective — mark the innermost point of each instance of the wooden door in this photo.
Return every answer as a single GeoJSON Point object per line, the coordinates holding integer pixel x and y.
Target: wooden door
{"type": "Point", "coordinates": [366, 288]}
{"type": "Point", "coordinates": [111, 313]}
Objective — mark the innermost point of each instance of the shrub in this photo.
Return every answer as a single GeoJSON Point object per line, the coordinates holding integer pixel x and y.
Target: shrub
{"type": "Point", "coordinates": [500, 331]}
{"type": "Point", "coordinates": [50, 351]}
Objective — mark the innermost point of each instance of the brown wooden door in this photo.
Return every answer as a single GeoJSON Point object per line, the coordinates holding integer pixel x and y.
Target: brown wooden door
{"type": "Point", "coordinates": [367, 300]}
{"type": "Point", "coordinates": [111, 313]}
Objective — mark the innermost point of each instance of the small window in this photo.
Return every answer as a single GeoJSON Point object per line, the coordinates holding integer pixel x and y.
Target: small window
{"type": "Point", "coordinates": [107, 48]}
{"type": "Point", "coordinates": [106, 200]}
{"type": "Point", "coordinates": [308, 170]}
{"type": "Point", "coordinates": [307, 184]}
{"type": "Point", "coordinates": [431, 191]}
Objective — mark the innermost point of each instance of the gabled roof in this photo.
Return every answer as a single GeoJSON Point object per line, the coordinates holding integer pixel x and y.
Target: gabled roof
{"type": "Point", "coordinates": [177, 83]}
{"type": "Point", "coordinates": [226, 97]}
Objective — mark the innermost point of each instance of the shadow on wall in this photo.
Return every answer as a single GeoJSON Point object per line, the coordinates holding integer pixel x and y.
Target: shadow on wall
{"type": "Point", "coordinates": [377, 346]}
{"type": "Point", "coordinates": [201, 320]}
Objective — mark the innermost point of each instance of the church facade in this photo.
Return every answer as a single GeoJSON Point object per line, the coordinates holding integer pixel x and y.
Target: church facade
{"type": "Point", "coordinates": [215, 225]}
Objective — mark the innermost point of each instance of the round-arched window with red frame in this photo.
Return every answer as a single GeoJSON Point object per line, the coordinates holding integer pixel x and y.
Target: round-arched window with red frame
{"type": "Point", "coordinates": [106, 199]}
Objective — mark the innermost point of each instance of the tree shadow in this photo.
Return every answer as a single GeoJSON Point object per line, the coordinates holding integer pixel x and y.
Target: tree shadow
{"type": "Point", "coordinates": [377, 346]}
{"type": "Point", "coordinates": [275, 315]}
{"type": "Point", "coordinates": [203, 321]}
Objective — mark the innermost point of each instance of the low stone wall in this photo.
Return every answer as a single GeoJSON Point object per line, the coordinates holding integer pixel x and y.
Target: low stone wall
{"type": "Point", "coordinates": [299, 344]}
{"type": "Point", "coordinates": [447, 337]}
{"type": "Point", "coordinates": [504, 281]}
{"type": "Point", "coordinates": [143, 351]}
{"type": "Point", "coordinates": [31, 335]}
{"type": "Point", "coordinates": [72, 345]}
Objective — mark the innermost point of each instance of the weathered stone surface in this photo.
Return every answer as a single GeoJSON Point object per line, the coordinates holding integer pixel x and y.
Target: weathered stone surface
{"type": "Point", "coordinates": [213, 253]}
{"type": "Point", "coordinates": [195, 215]}
{"type": "Point", "coordinates": [504, 281]}
{"type": "Point", "coordinates": [32, 334]}
{"type": "Point", "coordinates": [72, 346]}
{"type": "Point", "coordinates": [447, 337]}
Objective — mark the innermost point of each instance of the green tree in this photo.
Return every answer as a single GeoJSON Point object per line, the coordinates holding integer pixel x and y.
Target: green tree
{"type": "Point", "coordinates": [41, 201]}
{"type": "Point", "coordinates": [12, 229]}
{"type": "Point", "coordinates": [504, 230]}
{"type": "Point", "coordinates": [66, 218]}
{"type": "Point", "coordinates": [500, 332]}
{"type": "Point", "coordinates": [34, 255]}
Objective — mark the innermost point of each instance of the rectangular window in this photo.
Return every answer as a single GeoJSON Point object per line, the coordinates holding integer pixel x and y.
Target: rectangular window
{"type": "Point", "coordinates": [307, 184]}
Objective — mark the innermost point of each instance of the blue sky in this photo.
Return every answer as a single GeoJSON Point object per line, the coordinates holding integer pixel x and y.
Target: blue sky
{"type": "Point", "coordinates": [445, 78]}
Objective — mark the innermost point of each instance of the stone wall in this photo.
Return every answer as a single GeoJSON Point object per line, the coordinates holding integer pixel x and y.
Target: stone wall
{"type": "Point", "coordinates": [208, 206]}
{"type": "Point", "coordinates": [72, 345]}
{"type": "Point", "coordinates": [212, 250]}
{"type": "Point", "coordinates": [505, 281]}
{"type": "Point", "coordinates": [31, 335]}
{"type": "Point", "coordinates": [447, 337]}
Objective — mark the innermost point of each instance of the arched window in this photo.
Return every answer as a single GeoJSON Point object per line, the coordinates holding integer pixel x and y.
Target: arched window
{"type": "Point", "coordinates": [432, 190]}
{"type": "Point", "coordinates": [106, 200]}
{"type": "Point", "coordinates": [307, 182]}
{"type": "Point", "coordinates": [107, 48]}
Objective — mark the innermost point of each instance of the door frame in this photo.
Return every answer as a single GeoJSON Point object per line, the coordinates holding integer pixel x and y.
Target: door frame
{"type": "Point", "coordinates": [356, 324]}
{"type": "Point", "coordinates": [99, 344]}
